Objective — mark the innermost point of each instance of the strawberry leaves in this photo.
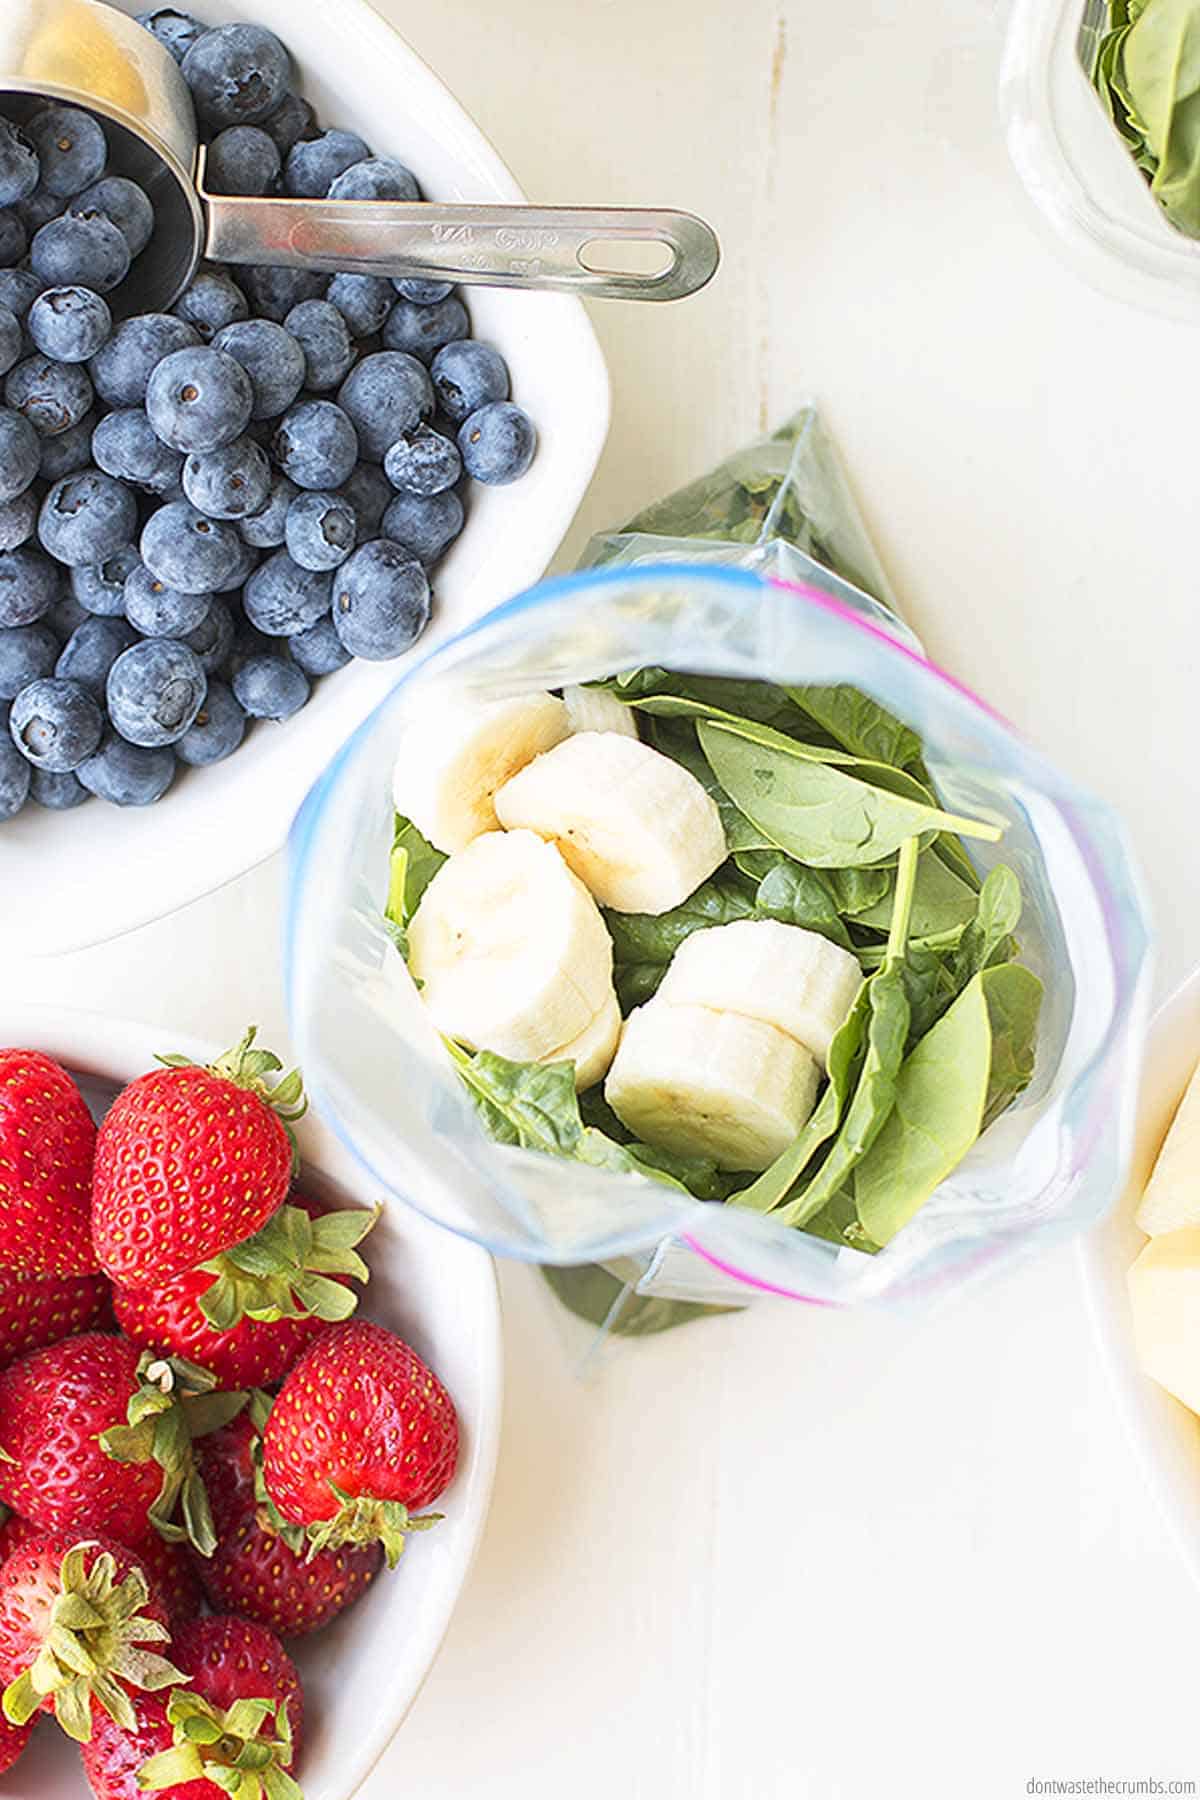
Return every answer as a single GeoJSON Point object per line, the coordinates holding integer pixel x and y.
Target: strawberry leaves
{"type": "Point", "coordinates": [286, 1270]}
{"type": "Point", "coordinates": [227, 1748]}
{"type": "Point", "coordinates": [175, 1403]}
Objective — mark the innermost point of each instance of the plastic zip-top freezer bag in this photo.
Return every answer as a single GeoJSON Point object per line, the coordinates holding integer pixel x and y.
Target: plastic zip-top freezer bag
{"type": "Point", "coordinates": [1048, 1164]}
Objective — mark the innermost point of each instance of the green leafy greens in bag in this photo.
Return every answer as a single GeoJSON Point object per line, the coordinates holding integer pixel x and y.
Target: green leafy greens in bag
{"type": "Point", "coordinates": [1146, 69]}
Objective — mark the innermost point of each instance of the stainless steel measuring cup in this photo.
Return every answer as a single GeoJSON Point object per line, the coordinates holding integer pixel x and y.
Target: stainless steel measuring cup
{"type": "Point", "coordinates": [92, 55]}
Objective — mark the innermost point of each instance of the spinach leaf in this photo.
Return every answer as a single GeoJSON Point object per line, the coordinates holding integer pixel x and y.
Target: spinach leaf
{"type": "Point", "coordinates": [747, 699]}
{"type": "Point", "coordinates": [953, 854]}
{"type": "Point", "coordinates": [759, 731]}
{"type": "Point", "coordinates": [413, 864]}
{"type": "Point", "coordinates": [599, 1297]}
{"type": "Point", "coordinates": [679, 741]}
{"type": "Point", "coordinates": [857, 891]}
{"type": "Point", "coordinates": [941, 902]}
{"type": "Point", "coordinates": [644, 943]}
{"type": "Point", "coordinates": [838, 1224]}
{"type": "Point", "coordinates": [796, 895]}
{"type": "Point", "coordinates": [930, 985]}
{"type": "Point", "coordinates": [859, 724]}
{"type": "Point", "coordinates": [988, 938]}
{"type": "Point", "coordinates": [821, 815]}
{"type": "Point", "coordinates": [1014, 999]}
{"type": "Point", "coordinates": [530, 1104]}
{"type": "Point", "coordinates": [1158, 69]}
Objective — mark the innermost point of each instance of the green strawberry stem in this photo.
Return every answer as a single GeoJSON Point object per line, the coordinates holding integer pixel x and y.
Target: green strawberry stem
{"type": "Point", "coordinates": [226, 1748]}
{"type": "Point", "coordinates": [249, 1068]}
{"type": "Point", "coordinates": [175, 1403]}
{"type": "Point", "coordinates": [365, 1520]}
{"type": "Point", "coordinates": [286, 1270]}
{"type": "Point", "coordinates": [93, 1650]}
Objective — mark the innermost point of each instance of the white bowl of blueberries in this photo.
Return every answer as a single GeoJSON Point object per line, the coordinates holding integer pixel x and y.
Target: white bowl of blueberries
{"type": "Point", "coordinates": [221, 526]}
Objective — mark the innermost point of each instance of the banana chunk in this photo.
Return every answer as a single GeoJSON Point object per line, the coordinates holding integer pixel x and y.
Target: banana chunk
{"type": "Point", "coordinates": [637, 828]}
{"type": "Point", "coordinates": [793, 979]}
{"type": "Point", "coordinates": [593, 1050]}
{"type": "Point", "coordinates": [707, 1083]}
{"type": "Point", "coordinates": [1164, 1298]}
{"type": "Point", "coordinates": [591, 709]}
{"type": "Point", "coordinates": [452, 759]}
{"type": "Point", "coordinates": [510, 948]}
{"type": "Point", "coordinates": [1171, 1201]}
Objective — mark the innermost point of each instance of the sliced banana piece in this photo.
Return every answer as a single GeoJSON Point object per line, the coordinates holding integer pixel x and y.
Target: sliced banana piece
{"type": "Point", "coordinates": [510, 948]}
{"type": "Point", "coordinates": [1164, 1298]}
{"type": "Point", "coordinates": [1171, 1201]}
{"type": "Point", "coordinates": [707, 1083]}
{"type": "Point", "coordinates": [453, 757]}
{"type": "Point", "coordinates": [793, 979]}
{"type": "Point", "coordinates": [592, 709]}
{"type": "Point", "coordinates": [635, 826]}
{"type": "Point", "coordinates": [593, 1050]}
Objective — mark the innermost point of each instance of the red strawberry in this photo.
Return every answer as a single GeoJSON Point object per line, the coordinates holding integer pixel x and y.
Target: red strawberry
{"type": "Point", "coordinates": [14, 1532]}
{"type": "Point", "coordinates": [173, 1579]}
{"type": "Point", "coordinates": [244, 1689]}
{"type": "Point", "coordinates": [41, 1309]}
{"type": "Point", "coordinates": [47, 1139]}
{"type": "Point", "coordinates": [190, 1161]}
{"type": "Point", "coordinates": [253, 1571]}
{"type": "Point", "coordinates": [296, 1281]}
{"type": "Point", "coordinates": [69, 1606]}
{"type": "Point", "coordinates": [361, 1434]}
{"type": "Point", "coordinates": [96, 1437]}
{"type": "Point", "coordinates": [13, 1739]}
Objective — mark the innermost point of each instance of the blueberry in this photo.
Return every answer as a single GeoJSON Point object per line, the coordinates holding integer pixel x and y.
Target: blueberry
{"type": "Point", "coordinates": [70, 146]}
{"type": "Point", "coordinates": [370, 493]}
{"type": "Point", "coordinates": [185, 550]}
{"type": "Point", "coordinates": [423, 462]}
{"type": "Point", "coordinates": [18, 519]}
{"type": "Point", "coordinates": [267, 687]}
{"type": "Point", "coordinates": [125, 203]}
{"type": "Point", "coordinates": [380, 601]}
{"type": "Point", "coordinates": [273, 291]}
{"type": "Point", "coordinates": [425, 524]}
{"type": "Point", "coordinates": [125, 775]}
{"type": "Point", "coordinates": [385, 395]}
{"type": "Point", "coordinates": [211, 300]}
{"type": "Point", "coordinates": [14, 238]}
{"type": "Point", "coordinates": [315, 444]}
{"type": "Point", "coordinates": [423, 330]}
{"type": "Point", "coordinates": [175, 31]}
{"type": "Point", "coordinates": [80, 247]}
{"type": "Point", "coordinates": [100, 587]}
{"type": "Point", "coordinates": [19, 166]}
{"type": "Point", "coordinates": [247, 643]}
{"type": "Point", "coordinates": [121, 370]}
{"type": "Point", "coordinates": [12, 338]}
{"type": "Point", "coordinates": [86, 518]}
{"type": "Point", "coordinates": [247, 559]}
{"type": "Point", "coordinates": [422, 292]}
{"type": "Point", "coordinates": [69, 324]}
{"type": "Point", "coordinates": [20, 453]}
{"type": "Point", "coordinates": [228, 483]}
{"type": "Point", "coordinates": [53, 396]}
{"type": "Point", "coordinates": [212, 640]}
{"type": "Point", "coordinates": [497, 443]}
{"type": "Point", "coordinates": [30, 584]}
{"type": "Point", "coordinates": [292, 120]}
{"type": "Point", "coordinates": [242, 160]}
{"type": "Point", "coordinates": [272, 359]}
{"type": "Point", "coordinates": [321, 530]}
{"type": "Point", "coordinates": [19, 288]}
{"type": "Point", "coordinates": [314, 164]}
{"type": "Point", "coordinates": [281, 598]}
{"type": "Point", "coordinates": [267, 528]}
{"type": "Point", "coordinates": [56, 791]}
{"type": "Point", "coordinates": [319, 650]}
{"type": "Point", "coordinates": [159, 611]}
{"type": "Point", "coordinates": [55, 724]}
{"type": "Point", "coordinates": [376, 178]}
{"type": "Point", "coordinates": [238, 74]}
{"type": "Point", "coordinates": [39, 209]}
{"type": "Point", "coordinates": [126, 445]}
{"type": "Point", "coordinates": [27, 652]}
{"type": "Point", "coordinates": [66, 615]}
{"type": "Point", "coordinates": [466, 376]}
{"type": "Point", "coordinates": [364, 301]}
{"type": "Point", "coordinates": [323, 335]}
{"type": "Point", "coordinates": [15, 778]}
{"type": "Point", "coordinates": [68, 450]}
{"type": "Point", "coordinates": [91, 650]}
{"type": "Point", "coordinates": [155, 691]}
{"type": "Point", "coordinates": [199, 399]}
{"type": "Point", "coordinates": [219, 728]}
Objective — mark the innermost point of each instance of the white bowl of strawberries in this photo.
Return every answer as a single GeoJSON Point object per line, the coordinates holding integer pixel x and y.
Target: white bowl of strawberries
{"type": "Point", "coordinates": [202, 1481]}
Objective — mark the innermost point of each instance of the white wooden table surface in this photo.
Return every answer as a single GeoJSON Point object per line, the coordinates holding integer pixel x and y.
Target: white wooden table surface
{"type": "Point", "coordinates": [791, 1555]}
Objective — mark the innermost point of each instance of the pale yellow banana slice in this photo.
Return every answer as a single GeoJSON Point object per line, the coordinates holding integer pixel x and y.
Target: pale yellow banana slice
{"type": "Point", "coordinates": [510, 948]}
{"type": "Point", "coordinates": [707, 1083]}
{"type": "Point", "coordinates": [593, 1050]}
{"type": "Point", "coordinates": [453, 757]}
{"type": "Point", "coordinates": [1164, 1294]}
{"type": "Point", "coordinates": [793, 979]}
{"type": "Point", "coordinates": [1171, 1201]}
{"type": "Point", "coordinates": [635, 826]}
{"type": "Point", "coordinates": [591, 709]}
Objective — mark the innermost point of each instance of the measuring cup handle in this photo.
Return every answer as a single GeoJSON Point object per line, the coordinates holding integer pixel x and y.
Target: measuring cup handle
{"type": "Point", "coordinates": [488, 246]}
